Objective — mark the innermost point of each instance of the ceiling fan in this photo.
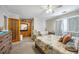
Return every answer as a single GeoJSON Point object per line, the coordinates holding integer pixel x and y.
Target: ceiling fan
{"type": "Point", "coordinates": [50, 8]}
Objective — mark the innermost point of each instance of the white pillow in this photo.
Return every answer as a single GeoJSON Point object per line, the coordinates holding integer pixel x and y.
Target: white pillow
{"type": "Point", "coordinates": [44, 32]}
{"type": "Point", "coordinates": [76, 42]}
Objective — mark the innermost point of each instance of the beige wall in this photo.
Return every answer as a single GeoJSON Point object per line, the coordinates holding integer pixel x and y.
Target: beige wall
{"type": "Point", "coordinates": [39, 24]}
{"type": "Point", "coordinates": [50, 25]}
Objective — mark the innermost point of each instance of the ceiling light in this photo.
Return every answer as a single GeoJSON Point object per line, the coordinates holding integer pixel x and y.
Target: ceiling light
{"type": "Point", "coordinates": [49, 11]}
{"type": "Point", "coordinates": [50, 8]}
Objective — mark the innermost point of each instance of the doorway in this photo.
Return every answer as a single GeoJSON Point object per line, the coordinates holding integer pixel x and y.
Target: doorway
{"type": "Point", "coordinates": [25, 28]}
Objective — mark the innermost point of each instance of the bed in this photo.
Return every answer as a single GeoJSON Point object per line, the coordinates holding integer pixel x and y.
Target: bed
{"type": "Point", "coordinates": [49, 44]}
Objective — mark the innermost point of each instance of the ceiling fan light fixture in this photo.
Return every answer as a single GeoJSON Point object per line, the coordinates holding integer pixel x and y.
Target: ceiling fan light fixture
{"type": "Point", "coordinates": [49, 11]}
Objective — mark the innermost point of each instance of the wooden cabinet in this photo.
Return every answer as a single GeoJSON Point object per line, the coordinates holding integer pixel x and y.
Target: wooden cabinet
{"type": "Point", "coordinates": [14, 27]}
{"type": "Point", "coordinates": [5, 42]}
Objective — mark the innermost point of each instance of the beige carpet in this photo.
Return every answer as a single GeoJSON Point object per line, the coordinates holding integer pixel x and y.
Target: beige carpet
{"type": "Point", "coordinates": [26, 46]}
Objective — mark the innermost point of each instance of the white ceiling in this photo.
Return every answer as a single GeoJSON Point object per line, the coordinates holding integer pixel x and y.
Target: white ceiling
{"type": "Point", "coordinates": [36, 10]}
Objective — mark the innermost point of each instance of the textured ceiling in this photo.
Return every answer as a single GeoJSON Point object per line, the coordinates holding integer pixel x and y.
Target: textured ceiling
{"type": "Point", "coordinates": [36, 10]}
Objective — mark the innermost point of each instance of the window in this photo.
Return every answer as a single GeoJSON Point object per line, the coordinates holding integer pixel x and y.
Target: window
{"type": "Point", "coordinates": [65, 25]}
{"type": "Point", "coordinates": [68, 25]}
{"type": "Point", "coordinates": [73, 25]}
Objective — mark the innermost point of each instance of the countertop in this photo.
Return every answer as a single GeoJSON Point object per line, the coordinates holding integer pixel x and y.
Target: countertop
{"type": "Point", "coordinates": [3, 33]}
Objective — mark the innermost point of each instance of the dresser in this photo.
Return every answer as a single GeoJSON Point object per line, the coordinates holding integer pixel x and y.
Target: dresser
{"type": "Point", "coordinates": [5, 42]}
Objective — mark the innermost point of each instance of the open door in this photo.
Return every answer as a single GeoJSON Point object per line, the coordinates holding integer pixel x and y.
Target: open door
{"type": "Point", "coordinates": [14, 27]}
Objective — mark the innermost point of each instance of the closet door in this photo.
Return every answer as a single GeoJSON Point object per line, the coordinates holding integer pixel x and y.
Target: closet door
{"type": "Point", "coordinates": [14, 27]}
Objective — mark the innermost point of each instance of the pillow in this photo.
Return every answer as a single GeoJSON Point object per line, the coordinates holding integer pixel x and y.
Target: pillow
{"type": "Point", "coordinates": [76, 43]}
{"type": "Point", "coordinates": [39, 34]}
{"type": "Point", "coordinates": [67, 38]}
{"type": "Point", "coordinates": [78, 47]}
{"type": "Point", "coordinates": [61, 38]}
{"type": "Point", "coordinates": [70, 46]}
{"type": "Point", "coordinates": [44, 32]}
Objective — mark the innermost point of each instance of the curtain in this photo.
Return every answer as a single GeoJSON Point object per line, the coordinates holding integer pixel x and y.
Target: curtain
{"type": "Point", "coordinates": [58, 30]}
{"type": "Point", "coordinates": [73, 26]}
{"type": "Point", "coordinates": [68, 25]}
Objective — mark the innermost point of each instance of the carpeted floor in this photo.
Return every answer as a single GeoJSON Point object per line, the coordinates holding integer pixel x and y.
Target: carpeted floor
{"type": "Point", "coordinates": [26, 46]}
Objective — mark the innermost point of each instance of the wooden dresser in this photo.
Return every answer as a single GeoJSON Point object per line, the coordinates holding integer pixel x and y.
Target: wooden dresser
{"type": "Point", "coordinates": [5, 42]}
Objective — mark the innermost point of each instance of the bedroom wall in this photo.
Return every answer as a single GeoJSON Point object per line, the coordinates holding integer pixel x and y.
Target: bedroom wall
{"type": "Point", "coordinates": [1, 17]}
{"type": "Point", "coordinates": [50, 23]}
{"type": "Point", "coordinates": [39, 24]}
